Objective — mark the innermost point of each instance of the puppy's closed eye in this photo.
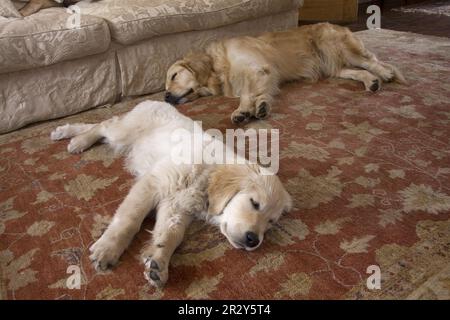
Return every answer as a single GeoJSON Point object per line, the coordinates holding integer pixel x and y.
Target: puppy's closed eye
{"type": "Point", "coordinates": [254, 204]}
{"type": "Point", "coordinates": [174, 76]}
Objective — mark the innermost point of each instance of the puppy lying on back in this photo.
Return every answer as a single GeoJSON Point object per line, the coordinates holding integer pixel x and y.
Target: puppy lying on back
{"type": "Point", "coordinates": [239, 199]}
{"type": "Point", "coordinates": [253, 67]}
{"type": "Point", "coordinates": [34, 6]}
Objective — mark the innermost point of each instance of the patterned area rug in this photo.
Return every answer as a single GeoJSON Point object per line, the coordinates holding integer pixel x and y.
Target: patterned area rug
{"type": "Point", "coordinates": [369, 174]}
{"type": "Point", "coordinates": [434, 8]}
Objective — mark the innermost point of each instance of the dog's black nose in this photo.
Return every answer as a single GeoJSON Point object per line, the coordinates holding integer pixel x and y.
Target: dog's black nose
{"type": "Point", "coordinates": [167, 96]}
{"type": "Point", "coordinates": [251, 239]}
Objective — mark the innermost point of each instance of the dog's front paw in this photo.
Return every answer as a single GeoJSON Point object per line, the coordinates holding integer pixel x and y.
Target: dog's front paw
{"type": "Point", "coordinates": [104, 254]}
{"type": "Point", "coordinates": [387, 74]}
{"type": "Point", "coordinates": [262, 110]}
{"type": "Point", "coordinates": [238, 116]}
{"type": "Point", "coordinates": [156, 271]}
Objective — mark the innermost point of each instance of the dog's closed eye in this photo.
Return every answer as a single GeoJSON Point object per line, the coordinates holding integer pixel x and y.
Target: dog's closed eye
{"type": "Point", "coordinates": [254, 204]}
{"type": "Point", "coordinates": [174, 76]}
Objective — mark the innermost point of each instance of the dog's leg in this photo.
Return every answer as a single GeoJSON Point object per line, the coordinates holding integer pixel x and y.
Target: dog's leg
{"type": "Point", "coordinates": [70, 130]}
{"type": "Point", "coordinates": [260, 85]}
{"type": "Point", "coordinates": [246, 107]}
{"type": "Point", "coordinates": [167, 235]}
{"type": "Point", "coordinates": [81, 142]}
{"type": "Point", "coordinates": [82, 135]}
{"type": "Point", "coordinates": [266, 86]}
{"type": "Point", "coordinates": [35, 5]}
{"type": "Point", "coordinates": [85, 135]}
{"type": "Point", "coordinates": [383, 71]}
{"type": "Point", "coordinates": [263, 105]}
{"type": "Point", "coordinates": [127, 221]}
{"type": "Point", "coordinates": [358, 56]}
{"type": "Point", "coordinates": [371, 82]}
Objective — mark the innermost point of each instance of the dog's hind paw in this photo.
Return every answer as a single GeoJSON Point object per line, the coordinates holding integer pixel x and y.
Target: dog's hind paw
{"type": "Point", "coordinates": [78, 144]}
{"type": "Point", "coordinates": [61, 132]}
{"type": "Point", "coordinates": [238, 116]}
{"type": "Point", "coordinates": [156, 272]}
{"type": "Point", "coordinates": [262, 111]}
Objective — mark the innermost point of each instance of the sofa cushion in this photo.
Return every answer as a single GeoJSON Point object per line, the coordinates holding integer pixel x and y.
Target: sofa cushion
{"type": "Point", "coordinates": [136, 20]}
{"type": "Point", "coordinates": [8, 10]}
{"type": "Point", "coordinates": [46, 37]}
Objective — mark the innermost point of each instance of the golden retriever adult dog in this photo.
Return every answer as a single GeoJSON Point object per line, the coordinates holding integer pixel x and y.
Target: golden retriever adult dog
{"type": "Point", "coordinates": [253, 67]}
{"type": "Point", "coordinates": [238, 198]}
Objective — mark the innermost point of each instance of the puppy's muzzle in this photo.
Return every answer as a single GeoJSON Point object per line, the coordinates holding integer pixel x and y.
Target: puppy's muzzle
{"type": "Point", "coordinates": [251, 239]}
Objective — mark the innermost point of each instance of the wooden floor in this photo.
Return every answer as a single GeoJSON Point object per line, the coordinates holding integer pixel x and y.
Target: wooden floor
{"type": "Point", "coordinates": [436, 25]}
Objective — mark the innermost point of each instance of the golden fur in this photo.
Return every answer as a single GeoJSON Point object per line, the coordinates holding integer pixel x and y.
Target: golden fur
{"type": "Point", "coordinates": [253, 67]}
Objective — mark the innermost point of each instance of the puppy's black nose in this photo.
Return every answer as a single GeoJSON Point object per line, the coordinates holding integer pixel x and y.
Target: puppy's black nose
{"type": "Point", "coordinates": [251, 239]}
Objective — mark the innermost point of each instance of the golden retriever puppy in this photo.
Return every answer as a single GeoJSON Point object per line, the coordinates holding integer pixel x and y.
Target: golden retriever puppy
{"type": "Point", "coordinates": [253, 67]}
{"type": "Point", "coordinates": [240, 199]}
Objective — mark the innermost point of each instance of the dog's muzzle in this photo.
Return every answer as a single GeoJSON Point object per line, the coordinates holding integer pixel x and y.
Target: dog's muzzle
{"type": "Point", "coordinates": [172, 99]}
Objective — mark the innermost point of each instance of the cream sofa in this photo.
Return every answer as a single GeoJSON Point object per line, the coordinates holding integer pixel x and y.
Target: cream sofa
{"type": "Point", "coordinates": [50, 69]}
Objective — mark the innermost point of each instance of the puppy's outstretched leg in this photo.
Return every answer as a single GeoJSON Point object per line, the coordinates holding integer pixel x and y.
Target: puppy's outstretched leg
{"type": "Point", "coordinates": [167, 235]}
{"type": "Point", "coordinates": [127, 221]}
{"type": "Point", "coordinates": [85, 135]}
{"type": "Point", "coordinates": [82, 135]}
{"type": "Point", "coordinates": [70, 130]}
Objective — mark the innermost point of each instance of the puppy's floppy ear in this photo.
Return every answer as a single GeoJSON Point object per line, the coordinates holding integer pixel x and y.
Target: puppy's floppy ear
{"type": "Point", "coordinates": [200, 64]}
{"type": "Point", "coordinates": [224, 183]}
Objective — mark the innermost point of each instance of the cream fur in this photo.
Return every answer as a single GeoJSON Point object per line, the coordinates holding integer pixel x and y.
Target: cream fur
{"type": "Point", "coordinates": [180, 193]}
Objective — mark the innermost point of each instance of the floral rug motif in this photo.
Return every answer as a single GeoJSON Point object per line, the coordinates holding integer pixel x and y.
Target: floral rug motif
{"type": "Point", "coordinates": [369, 173]}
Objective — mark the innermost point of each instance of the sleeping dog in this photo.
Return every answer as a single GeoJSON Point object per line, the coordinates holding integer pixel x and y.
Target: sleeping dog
{"type": "Point", "coordinates": [253, 67]}
{"type": "Point", "coordinates": [240, 199]}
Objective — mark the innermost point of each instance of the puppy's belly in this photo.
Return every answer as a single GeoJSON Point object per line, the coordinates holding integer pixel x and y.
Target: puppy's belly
{"type": "Point", "coordinates": [171, 146]}
{"type": "Point", "coordinates": [149, 150]}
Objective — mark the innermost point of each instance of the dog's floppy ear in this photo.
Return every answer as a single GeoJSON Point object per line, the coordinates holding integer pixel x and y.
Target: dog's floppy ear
{"type": "Point", "coordinates": [200, 64]}
{"type": "Point", "coordinates": [225, 182]}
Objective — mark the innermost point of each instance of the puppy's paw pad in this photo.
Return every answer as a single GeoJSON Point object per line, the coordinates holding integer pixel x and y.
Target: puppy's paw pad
{"type": "Point", "coordinates": [262, 111]}
{"type": "Point", "coordinates": [239, 117]}
{"type": "Point", "coordinates": [156, 272]}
